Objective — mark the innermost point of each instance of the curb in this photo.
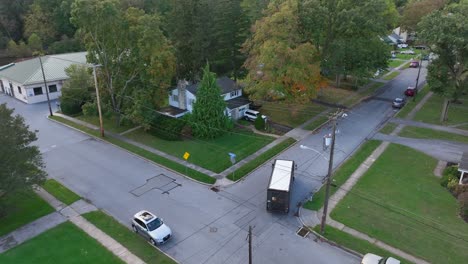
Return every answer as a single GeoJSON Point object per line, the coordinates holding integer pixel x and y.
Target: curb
{"type": "Point", "coordinates": [128, 151]}
{"type": "Point", "coordinates": [324, 239]}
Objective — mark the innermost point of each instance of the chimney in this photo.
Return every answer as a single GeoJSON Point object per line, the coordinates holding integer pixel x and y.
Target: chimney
{"type": "Point", "coordinates": [181, 87]}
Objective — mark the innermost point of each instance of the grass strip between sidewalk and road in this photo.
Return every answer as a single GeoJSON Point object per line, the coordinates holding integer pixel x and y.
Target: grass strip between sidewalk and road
{"type": "Point", "coordinates": [341, 175]}
{"type": "Point", "coordinates": [133, 242]}
{"type": "Point", "coordinates": [60, 192]}
{"type": "Point", "coordinates": [21, 208]}
{"type": "Point", "coordinates": [391, 75]}
{"type": "Point", "coordinates": [388, 128]}
{"type": "Point", "coordinates": [410, 104]}
{"type": "Point", "coordinates": [317, 123]}
{"type": "Point", "coordinates": [262, 158]}
{"type": "Point", "coordinates": [359, 245]}
{"type": "Point", "coordinates": [427, 133]}
{"type": "Point", "coordinates": [196, 175]}
{"type": "Point", "coordinates": [400, 202]}
{"type": "Point", "coordinates": [64, 243]}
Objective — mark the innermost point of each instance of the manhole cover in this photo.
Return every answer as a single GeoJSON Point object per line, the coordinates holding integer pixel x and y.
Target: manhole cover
{"type": "Point", "coordinates": [303, 232]}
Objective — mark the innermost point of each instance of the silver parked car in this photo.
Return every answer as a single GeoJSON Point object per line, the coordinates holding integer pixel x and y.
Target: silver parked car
{"type": "Point", "coordinates": [398, 103]}
{"type": "Point", "coordinates": [151, 227]}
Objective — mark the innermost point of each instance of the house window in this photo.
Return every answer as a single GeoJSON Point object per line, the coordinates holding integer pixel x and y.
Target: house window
{"type": "Point", "coordinates": [175, 98]}
{"type": "Point", "coordinates": [37, 90]}
{"type": "Point", "coordinates": [52, 88]}
{"type": "Point", "coordinates": [19, 90]}
{"type": "Point", "coordinates": [234, 93]}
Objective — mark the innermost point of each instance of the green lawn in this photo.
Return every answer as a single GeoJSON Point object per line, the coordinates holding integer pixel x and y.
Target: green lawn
{"type": "Point", "coordinates": [291, 115]}
{"type": "Point", "coordinates": [109, 124]}
{"type": "Point", "coordinates": [20, 208]}
{"type": "Point", "coordinates": [65, 243]}
{"type": "Point", "coordinates": [209, 154]}
{"type": "Point", "coordinates": [143, 153]}
{"type": "Point", "coordinates": [354, 243]}
{"type": "Point", "coordinates": [342, 174]}
{"type": "Point", "coordinates": [400, 202]}
{"type": "Point", "coordinates": [341, 96]}
{"type": "Point", "coordinates": [133, 242]}
{"type": "Point", "coordinates": [410, 104]}
{"type": "Point", "coordinates": [395, 63]}
{"type": "Point", "coordinates": [262, 158]}
{"type": "Point", "coordinates": [317, 122]}
{"type": "Point", "coordinates": [426, 133]}
{"type": "Point", "coordinates": [391, 75]}
{"type": "Point", "coordinates": [457, 114]}
{"type": "Point", "coordinates": [388, 128]}
{"type": "Point", "coordinates": [60, 192]}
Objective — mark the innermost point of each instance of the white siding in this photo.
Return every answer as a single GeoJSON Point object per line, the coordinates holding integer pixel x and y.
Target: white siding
{"type": "Point", "coordinates": [190, 99]}
{"type": "Point", "coordinates": [173, 101]}
{"type": "Point", "coordinates": [32, 99]}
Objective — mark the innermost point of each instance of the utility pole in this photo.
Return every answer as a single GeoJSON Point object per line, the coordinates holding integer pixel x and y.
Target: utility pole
{"type": "Point", "coordinates": [101, 126]}
{"type": "Point", "coordinates": [417, 80]}
{"type": "Point", "coordinates": [46, 88]}
{"type": "Point", "coordinates": [250, 244]}
{"type": "Point", "coordinates": [329, 174]}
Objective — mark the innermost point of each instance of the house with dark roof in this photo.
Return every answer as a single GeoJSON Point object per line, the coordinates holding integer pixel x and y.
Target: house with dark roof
{"type": "Point", "coordinates": [182, 97]}
{"type": "Point", "coordinates": [24, 80]}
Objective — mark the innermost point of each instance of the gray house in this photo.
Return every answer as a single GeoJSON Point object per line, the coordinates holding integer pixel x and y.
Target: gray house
{"type": "Point", "coordinates": [182, 97]}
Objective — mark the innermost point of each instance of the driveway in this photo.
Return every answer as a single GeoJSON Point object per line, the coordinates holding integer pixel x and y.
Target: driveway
{"type": "Point", "coordinates": [209, 227]}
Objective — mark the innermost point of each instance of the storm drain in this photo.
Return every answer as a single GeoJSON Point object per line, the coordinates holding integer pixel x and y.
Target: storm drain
{"type": "Point", "coordinates": [303, 232]}
{"type": "Point", "coordinates": [160, 182]}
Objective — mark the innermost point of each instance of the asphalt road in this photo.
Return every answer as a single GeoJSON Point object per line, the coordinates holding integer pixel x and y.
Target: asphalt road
{"type": "Point", "coordinates": [208, 226]}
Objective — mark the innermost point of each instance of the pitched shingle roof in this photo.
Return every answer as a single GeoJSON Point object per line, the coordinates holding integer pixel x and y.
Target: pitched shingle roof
{"type": "Point", "coordinates": [29, 71]}
{"type": "Point", "coordinates": [226, 84]}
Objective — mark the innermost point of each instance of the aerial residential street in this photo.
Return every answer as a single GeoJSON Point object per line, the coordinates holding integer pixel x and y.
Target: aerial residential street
{"type": "Point", "coordinates": [208, 226]}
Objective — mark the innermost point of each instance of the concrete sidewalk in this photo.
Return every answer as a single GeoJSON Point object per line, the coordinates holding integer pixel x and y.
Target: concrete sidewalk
{"type": "Point", "coordinates": [311, 218]}
{"type": "Point", "coordinates": [407, 122]}
{"type": "Point", "coordinates": [63, 213]}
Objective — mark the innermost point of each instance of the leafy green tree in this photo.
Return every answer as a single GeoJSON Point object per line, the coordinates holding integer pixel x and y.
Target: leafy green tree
{"type": "Point", "coordinates": [35, 43]}
{"type": "Point", "coordinates": [12, 14]}
{"type": "Point", "coordinates": [134, 54]}
{"type": "Point", "coordinates": [21, 164]}
{"type": "Point", "coordinates": [347, 35]}
{"type": "Point", "coordinates": [76, 89]}
{"type": "Point", "coordinates": [446, 32]}
{"type": "Point", "coordinates": [280, 64]}
{"type": "Point", "coordinates": [209, 119]}
{"type": "Point", "coordinates": [39, 21]}
{"type": "Point", "coordinates": [254, 9]}
{"type": "Point", "coordinates": [415, 10]}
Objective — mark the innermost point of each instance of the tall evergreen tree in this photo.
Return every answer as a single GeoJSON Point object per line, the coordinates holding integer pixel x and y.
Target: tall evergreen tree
{"type": "Point", "coordinates": [208, 117]}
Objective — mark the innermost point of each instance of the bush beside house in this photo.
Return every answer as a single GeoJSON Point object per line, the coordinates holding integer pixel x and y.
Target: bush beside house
{"type": "Point", "coordinates": [450, 180]}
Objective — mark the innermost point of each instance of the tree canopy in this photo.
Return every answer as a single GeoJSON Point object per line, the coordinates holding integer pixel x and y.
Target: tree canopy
{"type": "Point", "coordinates": [280, 63]}
{"type": "Point", "coordinates": [445, 31]}
{"type": "Point", "coordinates": [135, 55]}
{"type": "Point", "coordinates": [21, 164]}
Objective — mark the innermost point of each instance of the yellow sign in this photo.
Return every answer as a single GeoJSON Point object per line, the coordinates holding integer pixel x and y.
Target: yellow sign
{"type": "Point", "coordinates": [186, 155]}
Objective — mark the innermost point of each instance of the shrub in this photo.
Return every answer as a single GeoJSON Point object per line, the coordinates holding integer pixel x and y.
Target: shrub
{"type": "Point", "coordinates": [70, 107]}
{"type": "Point", "coordinates": [260, 123]}
{"type": "Point", "coordinates": [463, 203]}
{"type": "Point", "coordinates": [90, 109]}
{"type": "Point", "coordinates": [167, 128]}
{"type": "Point", "coordinates": [449, 174]}
{"type": "Point", "coordinates": [452, 184]}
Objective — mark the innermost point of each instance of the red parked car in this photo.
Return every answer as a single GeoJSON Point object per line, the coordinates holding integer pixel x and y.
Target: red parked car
{"type": "Point", "coordinates": [414, 64]}
{"type": "Point", "coordinates": [411, 91]}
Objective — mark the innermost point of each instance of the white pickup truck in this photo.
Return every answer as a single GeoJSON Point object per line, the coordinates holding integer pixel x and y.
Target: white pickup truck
{"type": "Point", "coordinates": [374, 259]}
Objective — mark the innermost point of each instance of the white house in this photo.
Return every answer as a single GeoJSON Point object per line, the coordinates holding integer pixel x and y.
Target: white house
{"type": "Point", "coordinates": [181, 98]}
{"type": "Point", "coordinates": [24, 80]}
